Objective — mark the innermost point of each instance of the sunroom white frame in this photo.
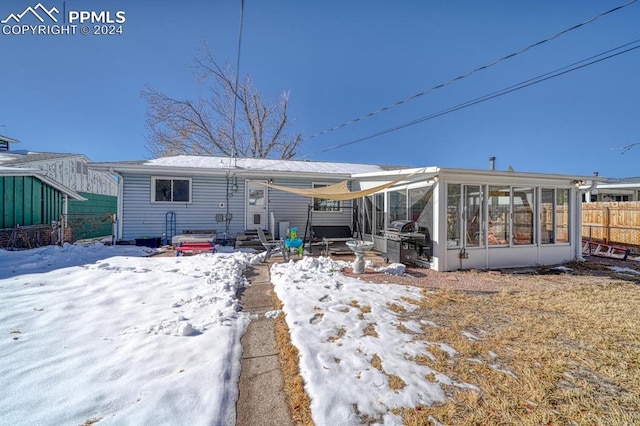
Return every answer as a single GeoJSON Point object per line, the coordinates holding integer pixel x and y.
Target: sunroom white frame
{"type": "Point", "coordinates": [488, 256]}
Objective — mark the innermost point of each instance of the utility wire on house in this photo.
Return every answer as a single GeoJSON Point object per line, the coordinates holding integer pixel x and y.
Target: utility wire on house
{"type": "Point", "coordinates": [468, 74]}
{"type": "Point", "coordinates": [233, 126]}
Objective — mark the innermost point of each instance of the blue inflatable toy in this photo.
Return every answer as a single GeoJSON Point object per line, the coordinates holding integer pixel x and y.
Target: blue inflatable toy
{"type": "Point", "coordinates": [293, 243]}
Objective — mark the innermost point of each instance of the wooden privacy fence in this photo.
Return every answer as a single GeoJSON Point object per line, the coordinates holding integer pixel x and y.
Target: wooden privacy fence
{"type": "Point", "coordinates": [612, 222]}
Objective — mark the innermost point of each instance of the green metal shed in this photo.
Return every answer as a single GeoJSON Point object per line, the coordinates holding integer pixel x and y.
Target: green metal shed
{"type": "Point", "coordinates": [28, 197]}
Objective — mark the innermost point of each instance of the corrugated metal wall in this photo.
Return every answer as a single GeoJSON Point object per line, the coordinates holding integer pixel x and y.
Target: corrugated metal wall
{"type": "Point", "coordinates": [73, 173]}
{"type": "Point", "coordinates": [25, 200]}
{"type": "Point", "coordinates": [145, 219]}
{"type": "Point", "coordinates": [93, 217]}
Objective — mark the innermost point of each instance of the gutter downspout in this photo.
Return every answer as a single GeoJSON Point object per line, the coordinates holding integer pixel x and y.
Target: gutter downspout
{"type": "Point", "coordinates": [578, 228]}
{"type": "Point", "coordinates": [120, 208]}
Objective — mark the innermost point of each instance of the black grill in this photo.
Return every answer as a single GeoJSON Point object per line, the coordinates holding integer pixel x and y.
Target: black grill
{"type": "Point", "coordinates": [404, 244]}
{"type": "Point", "coordinates": [397, 228]}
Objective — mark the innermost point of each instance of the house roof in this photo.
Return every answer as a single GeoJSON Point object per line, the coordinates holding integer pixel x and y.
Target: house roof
{"type": "Point", "coordinates": [431, 172]}
{"type": "Point", "coordinates": [262, 167]}
{"type": "Point", "coordinates": [246, 166]}
{"type": "Point", "coordinates": [40, 175]}
{"type": "Point", "coordinates": [13, 158]}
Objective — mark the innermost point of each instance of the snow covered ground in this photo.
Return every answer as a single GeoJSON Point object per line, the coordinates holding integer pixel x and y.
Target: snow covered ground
{"type": "Point", "coordinates": [106, 333]}
{"type": "Point", "coordinates": [95, 332]}
{"type": "Point", "coordinates": [352, 345]}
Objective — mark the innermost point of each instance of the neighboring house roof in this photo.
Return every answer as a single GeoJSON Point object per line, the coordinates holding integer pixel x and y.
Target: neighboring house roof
{"type": "Point", "coordinates": [628, 181]}
{"type": "Point", "coordinates": [245, 166]}
{"type": "Point", "coordinates": [13, 158]}
{"type": "Point", "coordinates": [40, 175]}
{"type": "Point", "coordinates": [8, 140]}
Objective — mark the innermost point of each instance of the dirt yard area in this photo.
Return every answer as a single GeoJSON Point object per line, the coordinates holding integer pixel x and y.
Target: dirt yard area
{"type": "Point", "coordinates": [545, 346]}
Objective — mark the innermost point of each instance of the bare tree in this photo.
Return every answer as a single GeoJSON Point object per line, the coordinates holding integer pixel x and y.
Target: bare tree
{"type": "Point", "coordinates": [205, 126]}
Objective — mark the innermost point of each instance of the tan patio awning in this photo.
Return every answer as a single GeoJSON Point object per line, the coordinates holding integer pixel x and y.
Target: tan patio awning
{"type": "Point", "coordinates": [338, 191]}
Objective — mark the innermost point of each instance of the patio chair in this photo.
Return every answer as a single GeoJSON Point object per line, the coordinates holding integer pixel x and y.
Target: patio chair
{"type": "Point", "coordinates": [272, 245]}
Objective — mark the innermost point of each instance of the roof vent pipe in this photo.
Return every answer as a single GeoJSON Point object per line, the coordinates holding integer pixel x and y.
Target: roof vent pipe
{"type": "Point", "coordinates": [492, 163]}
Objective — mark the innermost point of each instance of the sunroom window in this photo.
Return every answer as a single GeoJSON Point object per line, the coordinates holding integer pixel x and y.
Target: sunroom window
{"type": "Point", "coordinates": [562, 215]}
{"type": "Point", "coordinates": [499, 223]}
{"type": "Point", "coordinates": [554, 217]}
{"type": "Point", "coordinates": [378, 223]}
{"type": "Point", "coordinates": [523, 208]}
{"type": "Point", "coordinates": [397, 205]}
{"type": "Point", "coordinates": [453, 215]}
{"type": "Point", "coordinates": [473, 215]}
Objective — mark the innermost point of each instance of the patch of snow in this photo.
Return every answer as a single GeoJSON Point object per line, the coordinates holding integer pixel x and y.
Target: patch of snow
{"type": "Point", "coordinates": [624, 270]}
{"type": "Point", "coordinates": [392, 269]}
{"type": "Point", "coordinates": [324, 312]}
{"type": "Point", "coordinates": [470, 336]}
{"type": "Point", "coordinates": [263, 164]}
{"type": "Point", "coordinates": [273, 314]}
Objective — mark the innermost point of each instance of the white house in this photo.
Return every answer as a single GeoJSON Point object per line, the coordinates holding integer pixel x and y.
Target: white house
{"type": "Point", "coordinates": [625, 189]}
{"type": "Point", "coordinates": [468, 218]}
{"type": "Point", "coordinates": [175, 194]}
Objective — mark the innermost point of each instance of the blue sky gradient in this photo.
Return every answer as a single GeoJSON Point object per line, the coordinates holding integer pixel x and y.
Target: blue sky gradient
{"type": "Point", "coordinates": [340, 60]}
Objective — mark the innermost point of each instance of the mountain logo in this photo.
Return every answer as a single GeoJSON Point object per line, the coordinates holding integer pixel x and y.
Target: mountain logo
{"type": "Point", "coordinates": [38, 11]}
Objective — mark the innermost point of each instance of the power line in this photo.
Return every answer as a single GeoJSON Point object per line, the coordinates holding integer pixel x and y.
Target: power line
{"type": "Point", "coordinates": [468, 74]}
{"type": "Point", "coordinates": [530, 82]}
{"type": "Point", "coordinates": [235, 98]}
{"type": "Point", "coordinates": [629, 147]}
{"type": "Point", "coordinates": [526, 83]}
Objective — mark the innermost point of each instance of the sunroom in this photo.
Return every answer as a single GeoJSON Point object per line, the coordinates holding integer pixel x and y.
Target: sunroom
{"type": "Point", "coordinates": [475, 219]}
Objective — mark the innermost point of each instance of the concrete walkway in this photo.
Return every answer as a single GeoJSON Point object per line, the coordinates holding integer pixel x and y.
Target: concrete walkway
{"type": "Point", "coordinates": [261, 400]}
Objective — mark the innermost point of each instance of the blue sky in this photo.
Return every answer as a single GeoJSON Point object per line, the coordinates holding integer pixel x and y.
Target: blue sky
{"type": "Point", "coordinates": [340, 60]}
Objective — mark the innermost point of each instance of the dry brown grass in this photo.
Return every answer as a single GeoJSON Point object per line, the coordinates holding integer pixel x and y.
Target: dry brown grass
{"type": "Point", "coordinates": [547, 350]}
{"type": "Point", "coordinates": [370, 330]}
{"type": "Point", "coordinates": [339, 334]}
{"type": "Point", "coordinates": [569, 356]}
{"type": "Point", "coordinates": [288, 357]}
{"type": "Point", "coordinates": [376, 362]}
{"type": "Point", "coordinates": [366, 309]}
{"type": "Point", "coordinates": [395, 382]}
{"type": "Point", "coordinates": [398, 309]}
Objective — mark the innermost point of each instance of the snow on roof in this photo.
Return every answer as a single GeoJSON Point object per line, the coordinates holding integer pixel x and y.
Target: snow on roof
{"type": "Point", "coordinates": [41, 175]}
{"type": "Point", "coordinates": [19, 171]}
{"type": "Point", "coordinates": [257, 164]}
{"type": "Point", "coordinates": [22, 156]}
